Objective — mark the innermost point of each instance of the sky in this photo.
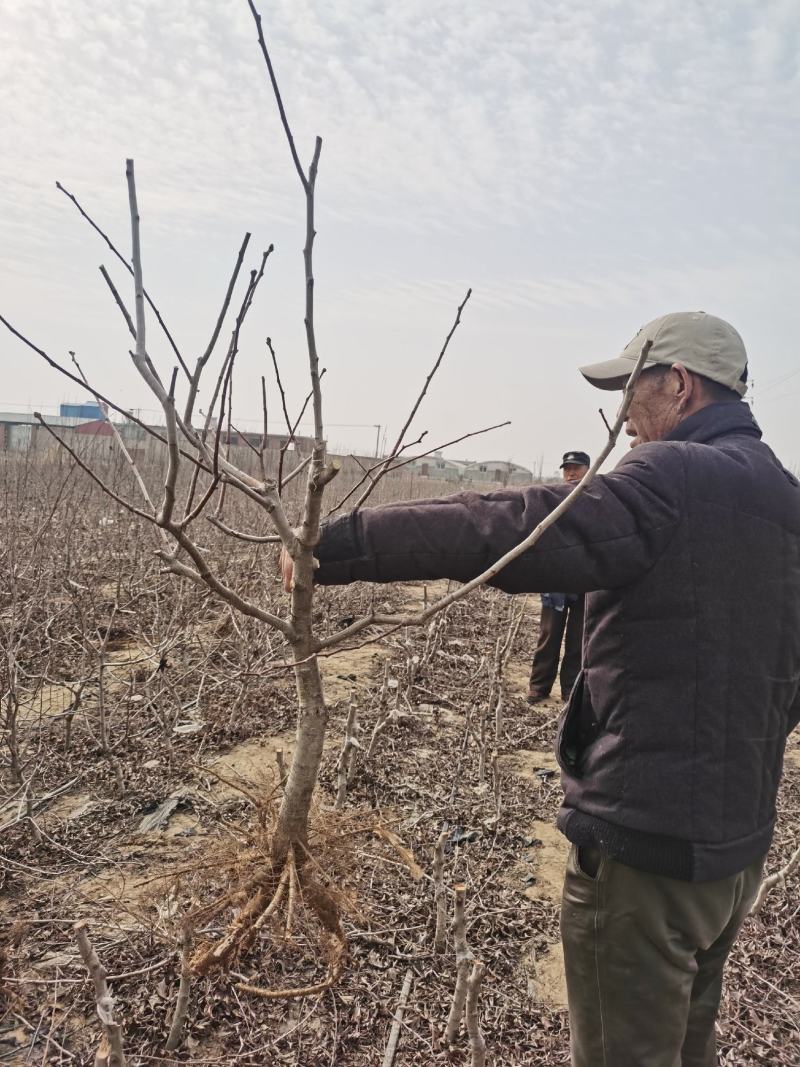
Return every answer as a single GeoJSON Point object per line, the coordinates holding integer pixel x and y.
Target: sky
{"type": "Point", "coordinates": [582, 165]}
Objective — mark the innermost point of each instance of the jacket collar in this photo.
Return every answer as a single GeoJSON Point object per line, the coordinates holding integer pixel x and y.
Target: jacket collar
{"type": "Point", "coordinates": [716, 420]}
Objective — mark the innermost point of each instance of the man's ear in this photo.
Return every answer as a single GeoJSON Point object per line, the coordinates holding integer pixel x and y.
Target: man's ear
{"type": "Point", "coordinates": [683, 384]}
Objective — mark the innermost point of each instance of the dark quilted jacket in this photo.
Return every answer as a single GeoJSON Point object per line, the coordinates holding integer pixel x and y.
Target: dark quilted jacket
{"type": "Point", "coordinates": [671, 745]}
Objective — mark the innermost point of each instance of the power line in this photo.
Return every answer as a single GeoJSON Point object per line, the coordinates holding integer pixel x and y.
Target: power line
{"type": "Point", "coordinates": [779, 381]}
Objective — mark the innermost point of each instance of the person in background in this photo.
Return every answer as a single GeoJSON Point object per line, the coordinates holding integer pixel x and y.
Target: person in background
{"type": "Point", "coordinates": [561, 620]}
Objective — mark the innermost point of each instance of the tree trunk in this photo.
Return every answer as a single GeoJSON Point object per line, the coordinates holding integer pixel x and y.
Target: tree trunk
{"type": "Point", "coordinates": [312, 721]}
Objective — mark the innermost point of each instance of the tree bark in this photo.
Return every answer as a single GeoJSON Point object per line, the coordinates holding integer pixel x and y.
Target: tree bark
{"type": "Point", "coordinates": [463, 961]}
{"type": "Point", "coordinates": [184, 990]}
{"type": "Point", "coordinates": [110, 1053]}
{"type": "Point", "coordinates": [312, 722]}
{"type": "Point", "coordinates": [477, 1042]}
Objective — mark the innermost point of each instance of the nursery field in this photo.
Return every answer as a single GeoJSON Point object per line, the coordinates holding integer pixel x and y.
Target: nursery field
{"type": "Point", "coordinates": [147, 733]}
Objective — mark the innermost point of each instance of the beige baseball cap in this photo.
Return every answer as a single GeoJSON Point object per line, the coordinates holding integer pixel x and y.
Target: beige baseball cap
{"type": "Point", "coordinates": [701, 342]}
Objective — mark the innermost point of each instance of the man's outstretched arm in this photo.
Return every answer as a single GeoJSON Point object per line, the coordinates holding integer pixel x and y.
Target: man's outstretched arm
{"type": "Point", "coordinates": [614, 532]}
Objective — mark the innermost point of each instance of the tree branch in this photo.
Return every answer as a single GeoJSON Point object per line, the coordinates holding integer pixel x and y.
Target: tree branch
{"type": "Point", "coordinates": [773, 880]}
{"type": "Point", "coordinates": [413, 459]}
{"type": "Point", "coordinates": [95, 477]}
{"type": "Point", "coordinates": [122, 447]}
{"type": "Point", "coordinates": [194, 381]}
{"type": "Point", "coordinates": [129, 268]}
{"type": "Point", "coordinates": [203, 574]}
{"type": "Point", "coordinates": [448, 444]}
{"type": "Point", "coordinates": [95, 392]}
{"type": "Point", "coordinates": [398, 443]}
{"type": "Point", "coordinates": [277, 93]}
{"type": "Point", "coordinates": [256, 539]}
{"type": "Point", "coordinates": [110, 1053]}
{"type": "Point", "coordinates": [525, 545]}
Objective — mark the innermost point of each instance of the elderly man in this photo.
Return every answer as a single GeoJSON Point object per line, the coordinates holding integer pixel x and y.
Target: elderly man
{"type": "Point", "coordinates": [671, 745]}
{"type": "Point", "coordinates": [561, 619]}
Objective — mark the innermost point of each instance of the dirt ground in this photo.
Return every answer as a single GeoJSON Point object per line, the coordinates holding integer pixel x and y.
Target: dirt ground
{"type": "Point", "coordinates": [132, 866]}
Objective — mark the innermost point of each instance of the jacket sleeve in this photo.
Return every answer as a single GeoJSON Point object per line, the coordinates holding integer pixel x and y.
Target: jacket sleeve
{"type": "Point", "coordinates": [614, 532]}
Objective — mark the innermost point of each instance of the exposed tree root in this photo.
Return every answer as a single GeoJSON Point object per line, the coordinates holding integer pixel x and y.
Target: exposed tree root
{"type": "Point", "coordinates": [277, 897]}
{"type": "Point", "coordinates": [285, 895]}
{"type": "Point", "coordinates": [337, 953]}
{"type": "Point", "coordinates": [291, 886]}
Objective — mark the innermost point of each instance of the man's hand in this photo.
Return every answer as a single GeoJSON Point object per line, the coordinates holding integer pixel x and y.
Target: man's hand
{"type": "Point", "coordinates": [287, 570]}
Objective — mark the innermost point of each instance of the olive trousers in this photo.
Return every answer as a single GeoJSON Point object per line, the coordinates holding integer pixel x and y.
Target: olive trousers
{"type": "Point", "coordinates": [644, 956]}
{"type": "Point", "coordinates": [555, 627]}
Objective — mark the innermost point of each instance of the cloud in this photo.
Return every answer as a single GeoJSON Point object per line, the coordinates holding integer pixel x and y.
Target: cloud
{"type": "Point", "coordinates": [452, 117]}
{"type": "Point", "coordinates": [574, 160]}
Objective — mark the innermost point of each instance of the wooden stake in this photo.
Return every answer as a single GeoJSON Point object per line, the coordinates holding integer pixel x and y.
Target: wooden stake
{"type": "Point", "coordinates": [394, 1033]}
{"type": "Point", "coordinates": [110, 1053]}
{"type": "Point", "coordinates": [347, 755]}
{"type": "Point", "coordinates": [463, 960]}
{"type": "Point", "coordinates": [184, 988]}
{"type": "Point", "coordinates": [496, 783]}
{"type": "Point", "coordinates": [439, 896]}
{"type": "Point", "coordinates": [477, 1042]}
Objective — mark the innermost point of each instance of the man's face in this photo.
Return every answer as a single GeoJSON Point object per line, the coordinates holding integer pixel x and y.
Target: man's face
{"type": "Point", "coordinates": [573, 472]}
{"type": "Point", "coordinates": [656, 408]}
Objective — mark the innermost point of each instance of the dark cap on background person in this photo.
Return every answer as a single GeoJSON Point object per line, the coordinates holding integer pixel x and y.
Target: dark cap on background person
{"type": "Point", "coordinates": [704, 344]}
{"type": "Point", "coordinates": [575, 459]}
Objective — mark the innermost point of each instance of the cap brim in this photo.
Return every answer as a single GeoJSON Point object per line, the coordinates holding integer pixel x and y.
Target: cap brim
{"type": "Point", "coordinates": [613, 374]}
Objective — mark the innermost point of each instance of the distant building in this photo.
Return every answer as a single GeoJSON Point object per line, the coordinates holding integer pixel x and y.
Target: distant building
{"type": "Point", "coordinates": [438, 468]}
{"type": "Point", "coordinates": [95, 428]}
{"type": "Point", "coordinates": [498, 470]}
{"type": "Point", "coordinates": [19, 429]}
{"type": "Point", "coordinates": [494, 472]}
{"type": "Point", "coordinates": [80, 411]}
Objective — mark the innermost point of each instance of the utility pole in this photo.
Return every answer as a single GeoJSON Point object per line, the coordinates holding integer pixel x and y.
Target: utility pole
{"type": "Point", "coordinates": [377, 439]}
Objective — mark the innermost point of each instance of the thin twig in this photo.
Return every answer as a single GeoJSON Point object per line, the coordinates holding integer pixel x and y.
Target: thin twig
{"type": "Point", "coordinates": [395, 622]}
{"type": "Point", "coordinates": [256, 539]}
{"type": "Point", "coordinates": [96, 393]}
{"type": "Point", "coordinates": [128, 267]}
{"type": "Point", "coordinates": [277, 93]}
{"type": "Point", "coordinates": [411, 459]}
{"type": "Point", "coordinates": [773, 880]}
{"type": "Point", "coordinates": [415, 408]}
{"type": "Point", "coordinates": [202, 360]}
{"type": "Point", "coordinates": [394, 1033]}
